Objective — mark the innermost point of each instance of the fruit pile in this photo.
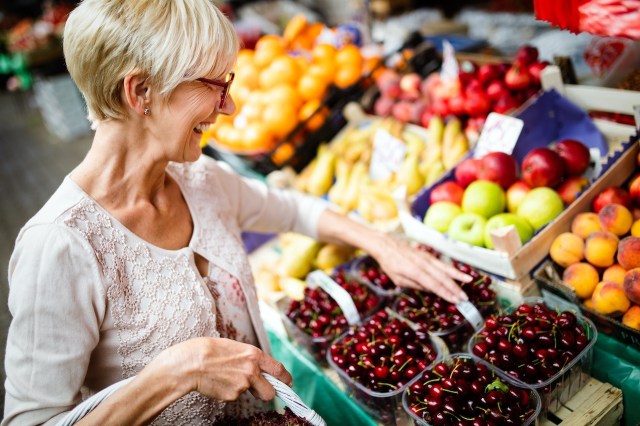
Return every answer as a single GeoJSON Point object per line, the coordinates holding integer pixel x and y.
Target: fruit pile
{"type": "Point", "coordinates": [486, 193]}
{"type": "Point", "coordinates": [367, 270]}
{"type": "Point", "coordinates": [478, 90]}
{"type": "Point", "coordinates": [601, 254]}
{"type": "Point", "coordinates": [383, 354]}
{"type": "Point", "coordinates": [341, 170]}
{"type": "Point", "coordinates": [464, 391]}
{"type": "Point", "coordinates": [435, 314]}
{"type": "Point", "coordinates": [533, 344]}
{"type": "Point", "coordinates": [320, 317]}
{"type": "Point", "coordinates": [282, 83]}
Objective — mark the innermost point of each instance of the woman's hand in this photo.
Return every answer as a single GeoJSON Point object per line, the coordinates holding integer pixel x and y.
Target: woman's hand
{"type": "Point", "coordinates": [413, 268]}
{"type": "Point", "coordinates": [220, 368]}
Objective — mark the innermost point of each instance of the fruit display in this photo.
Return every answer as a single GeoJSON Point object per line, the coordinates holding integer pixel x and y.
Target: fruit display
{"type": "Point", "coordinates": [281, 83]}
{"type": "Point", "coordinates": [436, 315]}
{"type": "Point", "coordinates": [341, 170]}
{"type": "Point", "coordinates": [478, 90]}
{"type": "Point", "coordinates": [376, 359]}
{"type": "Point", "coordinates": [316, 320]}
{"type": "Point", "coordinates": [366, 269]}
{"type": "Point", "coordinates": [537, 346]}
{"type": "Point", "coordinates": [600, 255]}
{"type": "Point", "coordinates": [267, 418]}
{"type": "Point", "coordinates": [466, 390]}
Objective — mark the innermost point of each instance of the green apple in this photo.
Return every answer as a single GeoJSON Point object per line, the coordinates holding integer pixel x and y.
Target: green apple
{"type": "Point", "coordinates": [525, 231]}
{"type": "Point", "coordinates": [439, 215]}
{"type": "Point", "coordinates": [540, 206]}
{"type": "Point", "coordinates": [469, 228]}
{"type": "Point", "coordinates": [484, 198]}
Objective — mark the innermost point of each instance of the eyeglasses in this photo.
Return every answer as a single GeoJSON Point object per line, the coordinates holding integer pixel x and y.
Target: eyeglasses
{"type": "Point", "coordinates": [226, 84]}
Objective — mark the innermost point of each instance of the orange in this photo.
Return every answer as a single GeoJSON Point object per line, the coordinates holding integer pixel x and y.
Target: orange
{"type": "Point", "coordinates": [234, 138]}
{"type": "Point", "coordinates": [347, 75]}
{"type": "Point", "coordinates": [280, 119]}
{"type": "Point", "coordinates": [287, 68]}
{"type": "Point", "coordinates": [311, 87]}
{"type": "Point", "coordinates": [284, 94]}
{"type": "Point", "coordinates": [245, 57]}
{"type": "Point", "coordinates": [240, 94]}
{"type": "Point", "coordinates": [269, 78]}
{"type": "Point", "coordinates": [252, 112]}
{"type": "Point", "coordinates": [294, 28]}
{"type": "Point", "coordinates": [349, 54]}
{"type": "Point", "coordinates": [308, 110]}
{"type": "Point", "coordinates": [283, 153]}
{"type": "Point", "coordinates": [323, 52]}
{"type": "Point", "coordinates": [246, 76]}
{"type": "Point", "coordinates": [257, 136]}
{"type": "Point", "coordinates": [325, 69]}
{"type": "Point", "coordinates": [268, 48]}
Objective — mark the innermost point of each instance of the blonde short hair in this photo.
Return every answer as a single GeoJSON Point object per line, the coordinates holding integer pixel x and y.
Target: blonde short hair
{"type": "Point", "coordinates": [171, 41]}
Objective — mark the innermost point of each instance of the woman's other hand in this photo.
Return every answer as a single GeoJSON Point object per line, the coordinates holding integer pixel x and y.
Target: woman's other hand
{"type": "Point", "coordinates": [219, 368]}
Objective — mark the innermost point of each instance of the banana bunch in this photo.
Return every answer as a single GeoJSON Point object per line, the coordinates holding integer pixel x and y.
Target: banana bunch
{"type": "Point", "coordinates": [446, 146]}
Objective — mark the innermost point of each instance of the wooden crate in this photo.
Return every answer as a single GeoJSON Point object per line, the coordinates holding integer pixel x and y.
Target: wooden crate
{"type": "Point", "coordinates": [596, 404]}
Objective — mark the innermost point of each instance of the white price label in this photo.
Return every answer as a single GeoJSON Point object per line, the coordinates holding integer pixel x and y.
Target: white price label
{"type": "Point", "coordinates": [387, 156]}
{"type": "Point", "coordinates": [499, 133]}
{"type": "Point", "coordinates": [636, 115]}
{"type": "Point", "coordinates": [339, 294]}
{"type": "Point", "coordinates": [450, 69]}
{"type": "Point", "coordinates": [471, 314]}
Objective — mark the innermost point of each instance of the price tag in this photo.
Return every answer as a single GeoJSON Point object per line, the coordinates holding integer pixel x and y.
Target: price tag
{"type": "Point", "coordinates": [387, 156]}
{"type": "Point", "coordinates": [450, 69]}
{"type": "Point", "coordinates": [339, 294]}
{"type": "Point", "coordinates": [500, 133]}
{"type": "Point", "coordinates": [636, 115]}
{"type": "Point", "coordinates": [471, 314]}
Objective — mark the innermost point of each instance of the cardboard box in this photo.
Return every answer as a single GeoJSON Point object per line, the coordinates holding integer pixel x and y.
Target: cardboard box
{"type": "Point", "coordinates": [522, 261]}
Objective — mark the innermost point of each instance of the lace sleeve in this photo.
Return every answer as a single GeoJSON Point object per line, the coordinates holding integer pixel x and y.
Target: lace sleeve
{"type": "Point", "coordinates": [57, 302]}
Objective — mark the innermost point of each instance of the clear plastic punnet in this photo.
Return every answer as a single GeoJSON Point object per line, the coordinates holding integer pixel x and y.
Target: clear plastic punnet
{"type": "Point", "coordinates": [520, 401]}
{"type": "Point", "coordinates": [572, 356]}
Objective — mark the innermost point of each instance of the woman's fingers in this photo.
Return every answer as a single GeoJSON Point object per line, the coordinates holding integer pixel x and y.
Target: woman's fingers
{"type": "Point", "coordinates": [261, 388]}
{"type": "Point", "coordinates": [276, 369]}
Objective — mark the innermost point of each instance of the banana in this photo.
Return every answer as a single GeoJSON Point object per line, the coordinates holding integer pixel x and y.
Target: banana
{"type": "Point", "coordinates": [337, 191]}
{"type": "Point", "coordinates": [415, 144]}
{"type": "Point", "coordinates": [433, 149]}
{"type": "Point", "coordinates": [455, 152]}
{"type": "Point", "coordinates": [409, 174]}
{"type": "Point", "coordinates": [321, 177]}
{"type": "Point", "coordinates": [331, 255]}
{"type": "Point", "coordinates": [303, 177]}
{"type": "Point", "coordinates": [435, 171]}
{"type": "Point", "coordinates": [359, 175]}
{"type": "Point", "coordinates": [376, 205]}
{"type": "Point", "coordinates": [298, 256]}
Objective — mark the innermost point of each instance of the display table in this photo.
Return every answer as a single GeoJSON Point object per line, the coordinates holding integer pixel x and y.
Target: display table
{"type": "Point", "coordinates": [613, 363]}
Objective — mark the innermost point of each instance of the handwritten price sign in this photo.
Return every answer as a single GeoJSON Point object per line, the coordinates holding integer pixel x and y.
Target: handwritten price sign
{"type": "Point", "coordinates": [387, 156]}
{"type": "Point", "coordinates": [500, 133]}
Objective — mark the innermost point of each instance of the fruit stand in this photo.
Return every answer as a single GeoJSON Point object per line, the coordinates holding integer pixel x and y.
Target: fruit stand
{"type": "Point", "coordinates": [410, 153]}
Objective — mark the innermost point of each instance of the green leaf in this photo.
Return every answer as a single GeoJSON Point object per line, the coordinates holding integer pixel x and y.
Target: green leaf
{"type": "Point", "coordinates": [497, 384]}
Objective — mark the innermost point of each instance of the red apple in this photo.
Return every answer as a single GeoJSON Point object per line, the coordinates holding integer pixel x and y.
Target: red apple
{"type": "Point", "coordinates": [425, 118]}
{"type": "Point", "coordinates": [505, 104]}
{"type": "Point", "coordinates": [447, 191]}
{"type": "Point", "coordinates": [575, 154]}
{"type": "Point", "coordinates": [496, 90]}
{"type": "Point", "coordinates": [570, 188]}
{"type": "Point", "coordinates": [610, 195]}
{"type": "Point", "coordinates": [456, 105]}
{"type": "Point", "coordinates": [487, 73]}
{"type": "Point", "coordinates": [527, 54]}
{"type": "Point", "coordinates": [535, 69]}
{"type": "Point", "coordinates": [634, 189]}
{"type": "Point", "coordinates": [515, 195]}
{"type": "Point", "coordinates": [542, 167]}
{"type": "Point", "coordinates": [467, 171]}
{"type": "Point", "coordinates": [383, 106]}
{"type": "Point", "coordinates": [410, 83]}
{"type": "Point", "coordinates": [476, 103]}
{"type": "Point", "coordinates": [498, 167]}
{"type": "Point", "coordinates": [517, 78]}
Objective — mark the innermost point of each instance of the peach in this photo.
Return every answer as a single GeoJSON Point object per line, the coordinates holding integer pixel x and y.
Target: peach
{"type": "Point", "coordinates": [632, 285]}
{"type": "Point", "coordinates": [567, 249]}
{"type": "Point", "coordinates": [600, 249]}
{"type": "Point", "coordinates": [635, 228]}
{"type": "Point", "coordinates": [582, 277]}
{"type": "Point", "coordinates": [632, 317]}
{"type": "Point", "coordinates": [629, 253]}
{"type": "Point", "coordinates": [615, 218]}
{"type": "Point", "coordinates": [609, 299]}
{"type": "Point", "coordinates": [614, 273]}
{"type": "Point", "coordinates": [588, 303]}
{"type": "Point", "coordinates": [585, 224]}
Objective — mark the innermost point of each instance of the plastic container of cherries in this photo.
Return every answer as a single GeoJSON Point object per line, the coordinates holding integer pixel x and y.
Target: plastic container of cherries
{"type": "Point", "coordinates": [442, 318]}
{"type": "Point", "coordinates": [367, 270]}
{"type": "Point", "coordinates": [314, 322]}
{"type": "Point", "coordinates": [377, 359]}
{"type": "Point", "coordinates": [536, 345]}
{"type": "Point", "coordinates": [462, 389]}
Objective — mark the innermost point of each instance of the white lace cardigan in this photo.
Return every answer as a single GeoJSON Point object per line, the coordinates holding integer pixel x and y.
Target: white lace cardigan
{"type": "Point", "coordinates": [92, 303]}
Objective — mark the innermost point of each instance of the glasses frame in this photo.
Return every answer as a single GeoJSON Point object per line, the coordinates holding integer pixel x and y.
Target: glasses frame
{"type": "Point", "coordinates": [224, 84]}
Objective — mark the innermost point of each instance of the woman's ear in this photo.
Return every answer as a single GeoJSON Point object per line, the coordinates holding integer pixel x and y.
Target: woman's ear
{"type": "Point", "coordinates": [137, 92]}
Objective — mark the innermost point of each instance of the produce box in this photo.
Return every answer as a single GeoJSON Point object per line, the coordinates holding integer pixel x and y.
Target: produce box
{"type": "Point", "coordinates": [351, 356]}
{"type": "Point", "coordinates": [538, 131]}
{"type": "Point", "coordinates": [496, 393]}
{"type": "Point", "coordinates": [556, 376]}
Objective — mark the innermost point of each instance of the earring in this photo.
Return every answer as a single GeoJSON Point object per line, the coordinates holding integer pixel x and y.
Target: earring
{"type": "Point", "coordinates": [147, 111]}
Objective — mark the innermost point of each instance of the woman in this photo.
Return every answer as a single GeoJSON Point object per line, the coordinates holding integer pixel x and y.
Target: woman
{"type": "Point", "coordinates": [135, 266]}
